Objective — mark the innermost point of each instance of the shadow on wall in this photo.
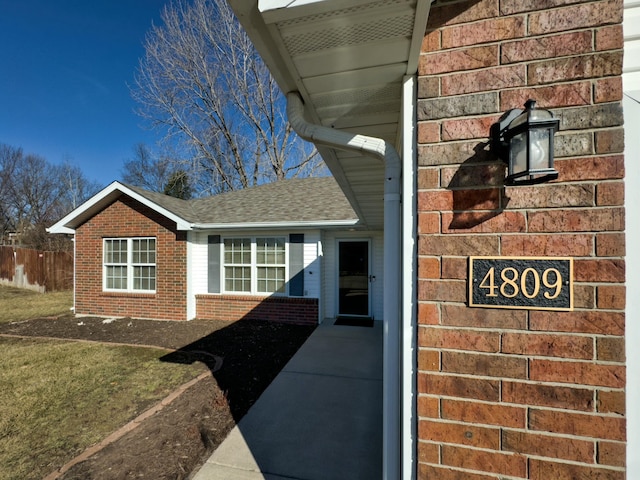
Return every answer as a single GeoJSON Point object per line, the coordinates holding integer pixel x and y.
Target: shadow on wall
{"type": "Point", "coordinates": [478, 189]}
{"type": "Point", "coordinates": [448, 11]}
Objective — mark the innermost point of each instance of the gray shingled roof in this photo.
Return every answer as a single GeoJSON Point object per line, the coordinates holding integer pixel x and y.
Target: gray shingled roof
{"type": "Point", "coordinates": [294, 200]}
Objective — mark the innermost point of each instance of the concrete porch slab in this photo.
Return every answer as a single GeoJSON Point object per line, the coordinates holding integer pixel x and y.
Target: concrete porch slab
{"type": "Point", "coordinates": [321, 418]}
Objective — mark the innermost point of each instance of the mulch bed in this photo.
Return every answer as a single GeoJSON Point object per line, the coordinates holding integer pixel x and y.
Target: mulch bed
{"type": "Point", "coordinates": [174, 442]}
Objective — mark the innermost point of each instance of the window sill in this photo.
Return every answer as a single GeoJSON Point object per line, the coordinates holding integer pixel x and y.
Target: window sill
{"type": "Point", "coordinates": [128, 293]}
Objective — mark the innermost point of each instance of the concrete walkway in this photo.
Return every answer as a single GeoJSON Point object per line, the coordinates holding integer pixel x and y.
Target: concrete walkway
{"type": "Point", "coordinates": [320, 419]}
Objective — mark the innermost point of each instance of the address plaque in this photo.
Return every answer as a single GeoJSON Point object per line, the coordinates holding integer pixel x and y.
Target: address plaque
{"type": "Point", "coordinates": [533, 283]}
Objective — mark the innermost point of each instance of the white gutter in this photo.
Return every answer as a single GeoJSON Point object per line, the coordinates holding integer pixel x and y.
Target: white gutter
{"type": "Point", "coordinates": [392, 265]}
{"type": "Point", "coordinates": [276, 225]}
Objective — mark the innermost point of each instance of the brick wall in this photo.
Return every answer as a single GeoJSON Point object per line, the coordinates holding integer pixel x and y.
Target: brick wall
{"type": "Point", "coordinates": [128, 218]}
{"type": "Point", "coordinates": [518, 393]}
{"type": "Point", "coordinates": [276, 309]}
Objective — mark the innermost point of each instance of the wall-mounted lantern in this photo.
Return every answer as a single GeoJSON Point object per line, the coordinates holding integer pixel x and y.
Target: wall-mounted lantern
{"type": "Point", "coordinates": [524, 141]}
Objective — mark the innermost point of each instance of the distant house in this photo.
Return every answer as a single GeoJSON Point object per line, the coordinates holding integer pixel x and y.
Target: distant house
{"type": "Point", "coordinates": [289, 251]}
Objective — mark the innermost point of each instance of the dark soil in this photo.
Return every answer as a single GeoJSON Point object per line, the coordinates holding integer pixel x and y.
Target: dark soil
{"type": "Point", "coordinates": [175, 441]}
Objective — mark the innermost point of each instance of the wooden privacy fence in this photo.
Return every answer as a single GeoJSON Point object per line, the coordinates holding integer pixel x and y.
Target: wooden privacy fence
{"type": "Point", "coordinates": [36, 270]}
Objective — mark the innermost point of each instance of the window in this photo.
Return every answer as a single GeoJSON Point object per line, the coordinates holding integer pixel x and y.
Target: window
{"type": "Point", "coordinates": [255, 265]}
{"type": "Point", "coordinates": [270, 265]}
{"type": "Point", "coordinates": [129, 264]}
{"type": "Point", "coordinates": [237, 264]}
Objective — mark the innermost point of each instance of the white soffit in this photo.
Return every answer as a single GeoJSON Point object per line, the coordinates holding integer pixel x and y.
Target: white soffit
{"type": "Point", "coordinates": [348, 59]}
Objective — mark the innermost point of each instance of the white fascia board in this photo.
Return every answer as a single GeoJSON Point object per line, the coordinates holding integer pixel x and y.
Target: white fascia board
{"type": "Point", "coordinates": [419, 29]}
{"type": "Point", "coordinates": [106, 195]}
{"type": "Point", "coordinates": [275, 225]}
{"type": "Point", "coordinates": [61, 225]}
{"type": "Point", "coordinates": [263, 40]}
{"type": "Point", "coordinates": [65, 230]}
{"type": "Point", "coordinates": [281, 10]}
{"type": "Point", "coordinates": [267, 5]}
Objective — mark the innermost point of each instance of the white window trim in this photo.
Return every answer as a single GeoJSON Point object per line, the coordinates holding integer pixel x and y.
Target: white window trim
{"type": "Point", "coordinates": [254, 266]}
{"type": "Point", "coordinates": [130, 266]}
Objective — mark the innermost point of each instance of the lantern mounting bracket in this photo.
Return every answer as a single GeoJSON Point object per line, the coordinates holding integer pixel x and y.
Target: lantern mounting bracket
{"type": "Point", "coordinates": [498, 144]}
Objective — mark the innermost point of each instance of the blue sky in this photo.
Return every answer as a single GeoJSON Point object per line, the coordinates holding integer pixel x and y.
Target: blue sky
{"type": "Point", "coordinates": [65, 67]}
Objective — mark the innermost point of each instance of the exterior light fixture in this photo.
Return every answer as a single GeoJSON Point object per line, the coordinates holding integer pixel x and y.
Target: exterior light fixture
{"type": "Point", "coordinates": [524, 141]}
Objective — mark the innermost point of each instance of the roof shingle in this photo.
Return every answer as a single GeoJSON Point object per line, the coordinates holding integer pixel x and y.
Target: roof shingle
{"type": "Point", "coordinates": [294, 200]}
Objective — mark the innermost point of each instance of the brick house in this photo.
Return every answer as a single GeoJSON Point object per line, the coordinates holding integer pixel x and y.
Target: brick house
{"type": "Point", "coordinates": [289, 251]}
{"type": "Point", "coordinates": [482, 393]}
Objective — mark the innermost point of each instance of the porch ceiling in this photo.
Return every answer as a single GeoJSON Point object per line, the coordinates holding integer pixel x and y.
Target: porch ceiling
{"type": "Point", "coordinates": [347, 59]}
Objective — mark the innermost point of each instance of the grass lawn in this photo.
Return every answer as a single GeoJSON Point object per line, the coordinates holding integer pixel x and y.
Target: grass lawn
{"type": "Point", "coordinates": [58, 397]}
{"type": "Point", "coordinates": [20, 304]}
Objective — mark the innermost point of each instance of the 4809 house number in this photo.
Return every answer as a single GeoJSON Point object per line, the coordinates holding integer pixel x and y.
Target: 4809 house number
{"type": "Point", "coordinates": [535, 283]}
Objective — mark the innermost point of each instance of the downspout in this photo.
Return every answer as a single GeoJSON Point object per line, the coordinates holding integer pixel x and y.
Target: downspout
{"type": "Point", "coordinates": [392, 265]}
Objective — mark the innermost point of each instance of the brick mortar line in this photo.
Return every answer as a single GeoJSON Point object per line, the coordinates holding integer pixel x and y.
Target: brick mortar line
{"type": "Point", "coordinates": [528, 408]}
{"type": "Point", "coordinates": [528, 356]}
{"type": "Point", "coordinates": [480, 329]}
{"type": "Point", "coordinates": [132, 425]}
{"type": "Point", "coordinates": [538, 433]}
{"type": "Point", "coordinates": [598, 466]}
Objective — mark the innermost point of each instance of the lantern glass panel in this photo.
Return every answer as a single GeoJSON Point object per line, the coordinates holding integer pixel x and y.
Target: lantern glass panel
{"type": "Point", "coordinates": [519, 153]}
{"type": "Point", "coordinates": [539, 149]}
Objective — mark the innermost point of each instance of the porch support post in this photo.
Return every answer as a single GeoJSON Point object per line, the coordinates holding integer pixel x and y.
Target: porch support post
{"type": "Point", "coordinates": [408, 342]}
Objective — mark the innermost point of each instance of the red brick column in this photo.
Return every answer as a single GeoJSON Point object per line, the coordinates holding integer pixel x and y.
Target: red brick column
{"type": "Point", "coordinates": [521, 393]}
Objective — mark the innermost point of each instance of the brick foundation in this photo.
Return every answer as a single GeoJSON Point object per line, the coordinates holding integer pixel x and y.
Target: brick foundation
{"type": "Point", "coordinates": [273, 309]}
{"type": "Point", "coordinates": [521, 393]}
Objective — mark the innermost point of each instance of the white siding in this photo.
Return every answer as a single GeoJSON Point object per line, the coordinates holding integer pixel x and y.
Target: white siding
{"type": "Point", "coordinates": [312, 264]}
{"type": "Point", "coordinates": [199, 265]}
{"type": "Point", "coordinates": [631, 65]}
{"type": "Point", "coordinates": [197, 262]}
{"type": "Point", "coordinates": [329, 307]}
{"type": "Point", "coordinates": [330, 262]}
{"type": "Point", "coordinates": [377, 261]}
{"type": "Point", "coordinates": [197, 269]}
{"type": "Point", "coordinates": [631, 105]}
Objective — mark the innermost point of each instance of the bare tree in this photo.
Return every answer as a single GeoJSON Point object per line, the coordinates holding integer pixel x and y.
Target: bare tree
{"type": "Point", "coordinates": [75, 188]}
{"type": "Point", "coordinates": [34, 194]}
{"type": "Point", "coordinates": [155, 173]}
{"type": "Point", "coordinates": [35, 190]}
{"type": "Point", "coordinates": [9, 159]}
{"type": "Point", "coordinates": [203, 81]}
{"type": "Point", "coordinates": [146, 169]}
{"type": "Point", "coordinates": [178, 186]}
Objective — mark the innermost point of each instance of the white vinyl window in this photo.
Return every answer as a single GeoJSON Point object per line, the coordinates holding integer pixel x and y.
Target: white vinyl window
{"type": "Point", "coordinates": [237, 264]}
{"type": "Point", "coordinates": [255, 265]}
{"type": "Point", "coordinates": [129, 264]}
